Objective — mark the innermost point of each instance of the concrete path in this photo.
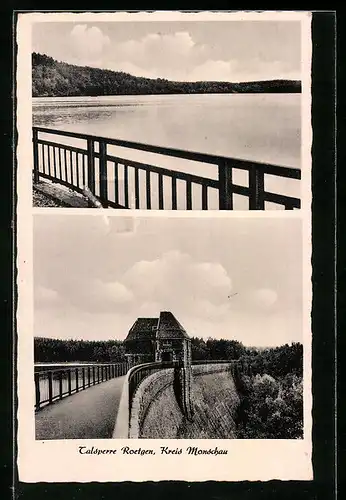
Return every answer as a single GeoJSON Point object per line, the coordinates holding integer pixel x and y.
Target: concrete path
{"type": "Point", "coordinates": [89, 414]}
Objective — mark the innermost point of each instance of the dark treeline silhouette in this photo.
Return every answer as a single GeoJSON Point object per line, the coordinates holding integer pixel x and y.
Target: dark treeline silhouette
{"type": "Point", "coordinates": [216, 349]}
{"type": "Point", "coordinates": [54, 78]}
{"type": "Point", "coordinates": [57, 350]}
{"type": "Point", "coordinates": [276, 361]}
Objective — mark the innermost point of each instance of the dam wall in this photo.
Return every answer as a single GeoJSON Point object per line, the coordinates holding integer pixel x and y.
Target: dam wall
{"type": "Point", "coordinates": [156, 412]}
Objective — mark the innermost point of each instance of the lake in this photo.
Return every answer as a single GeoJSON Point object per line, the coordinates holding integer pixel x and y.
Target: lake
{"type": "Point", "coordinates": [260, 127]}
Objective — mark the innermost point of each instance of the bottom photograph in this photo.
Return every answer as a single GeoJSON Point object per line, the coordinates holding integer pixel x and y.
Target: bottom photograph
{"type": "Point", "coordinates": [167, 328]}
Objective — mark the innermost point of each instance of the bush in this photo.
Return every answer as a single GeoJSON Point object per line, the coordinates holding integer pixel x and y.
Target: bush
{"type": "Point", "coordinates": [271, 408]}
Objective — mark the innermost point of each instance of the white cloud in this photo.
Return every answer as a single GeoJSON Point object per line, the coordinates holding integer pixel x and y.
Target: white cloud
{"type": "Point", "coordinates": [154, 48]}
{"type": "Point", "coordinates": [175, 281]}
{"type": "Point", "coordinates": [88, 42]}
{"type": "Point", "coordinates": [214, 70]}
{"type": "Point", "coordinates": [115, 292]}
{"type": "Point", "coordinates": [149, 309]}
{"type": "Point", "coordinates": [264, 297]}
{"type": "Point", "coordinates": [234, 52]}
{"type": "Point", "coordinates": [45, 296]}
{"type": "Point", "coordinates": [99, 285]}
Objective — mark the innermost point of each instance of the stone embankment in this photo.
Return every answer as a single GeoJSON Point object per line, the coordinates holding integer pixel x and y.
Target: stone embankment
{"type": "Point", "coordinates": [156, 413]}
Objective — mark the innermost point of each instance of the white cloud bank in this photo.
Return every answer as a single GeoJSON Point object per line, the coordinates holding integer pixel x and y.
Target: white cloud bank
{"type": "Point", "coordinates": [174, 56]}
{"type": "Point", "coordinates": [88, 42]}
{"type": "Point", "coordinates": [198, 292]}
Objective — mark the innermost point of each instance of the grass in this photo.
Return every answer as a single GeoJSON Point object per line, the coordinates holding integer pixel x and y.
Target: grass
{"type": "Point", "coordinates": [42, 200]}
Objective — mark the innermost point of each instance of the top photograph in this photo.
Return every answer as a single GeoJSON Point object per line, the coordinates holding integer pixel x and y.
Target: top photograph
{"type": "Point", "coordinates": [154, 114]}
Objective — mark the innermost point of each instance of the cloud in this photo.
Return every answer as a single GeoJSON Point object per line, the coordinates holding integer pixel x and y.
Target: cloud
{"type": "Point", "coordinates": [175, 281]}
{"type": "Point", "coordinates": [177, 56]}
{"type": "Point", "coordinates": [154, 48]}
{"type": "Point", "coordinates": [88, 42]}
{"type": "Point", "coordinates": [264, 297]}
{"type": "Point", "coordinates": [115, 292]}
{"type": "Point", "coordinates": [96, 296]}
{"type": "Point", "coordinates": [157, 55]}
{"type": "Point", "coordinates": [235, 51]}
{"type": "Point", "coordinates": [46, 296]}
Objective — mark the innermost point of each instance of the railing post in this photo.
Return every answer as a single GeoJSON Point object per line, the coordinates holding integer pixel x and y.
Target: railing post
{"type": "Point", "coordinates": [77, 384]}
{"type": "Point", "coordinates": [88, 376]}
{"type": "Point", "coordinates": [60, 385]}
{"type": "Point", "coordinates": [69, 382]}
{"type": "Point", "coordinates": [35, 146]}
{"type": "Point", "coordinates": [37, 391]}
{"type": "Point", "coordinates": [50, 387]}
{"type": "Point", "coordinates": [91, 165]}
{"type": "Point", "coordinates": [83, 377]}
{"type": "Point", "coordinates": [94, 378]}
{"type": "Point", "coordinates": [256, 186]}
{"type": "Point", "coordinates": [103, 173]}
{"type": "Point", "coordinates": [225, 186]}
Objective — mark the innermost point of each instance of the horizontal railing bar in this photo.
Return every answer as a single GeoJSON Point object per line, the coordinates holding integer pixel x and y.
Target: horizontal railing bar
{"type": "Point", "coordinates": [281, 199]}
{"type": "Point", "coordinates": [165, 171]}
{"type": "Point", "coordinates": [62, 146]}
{"type": "Point", "coordinates": [112, 204]}
{"type": "Point", "coordinates": [58, 370]}
{"type": "Point", "coordinates": [287, 172]}
{"type": "Point", "coordinates": [268, 168]}
{"type": "Point", "coordinates": [242, 190]}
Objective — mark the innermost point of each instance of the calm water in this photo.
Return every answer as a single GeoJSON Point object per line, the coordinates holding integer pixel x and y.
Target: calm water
{"type": "Point", "coordinates": [262, 127]}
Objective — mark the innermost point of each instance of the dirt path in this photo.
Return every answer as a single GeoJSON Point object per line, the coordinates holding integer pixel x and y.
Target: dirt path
{"type": "Point", "coordinates": [90, 414]}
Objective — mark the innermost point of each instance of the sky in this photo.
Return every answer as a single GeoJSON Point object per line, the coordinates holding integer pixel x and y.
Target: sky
{"type": "Point", "coordinates": [236, 278]}
{"type": "Point", "coordinates": [182, 51]}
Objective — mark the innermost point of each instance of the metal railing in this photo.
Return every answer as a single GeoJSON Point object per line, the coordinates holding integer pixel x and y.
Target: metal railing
{"type": "Point", "coordinates": [53, 384]}
{"type": "Point", "coordinates": [92, 166]}
{"type": "Point", "coordinates": [139, 373]}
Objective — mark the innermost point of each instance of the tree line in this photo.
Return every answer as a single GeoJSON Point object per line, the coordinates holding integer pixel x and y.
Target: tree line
{"type": "Point", "coordinates": [60, 351]}
{"type": "Point", "coordinates": [276, 361]}
{"type": "Point", "coordinates": [54, 78]}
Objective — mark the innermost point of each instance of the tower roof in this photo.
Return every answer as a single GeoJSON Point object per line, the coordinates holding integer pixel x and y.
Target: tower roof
{"type": "Point", "coordinates": [169, 327]}
{"type": "Point", "coordinates": [143, 329]}
{"type": "Point", "coordinates": [164, 327]}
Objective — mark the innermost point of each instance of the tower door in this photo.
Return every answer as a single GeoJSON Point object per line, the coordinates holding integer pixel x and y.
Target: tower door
{"type": "Point", "coordinates": [167, 356]}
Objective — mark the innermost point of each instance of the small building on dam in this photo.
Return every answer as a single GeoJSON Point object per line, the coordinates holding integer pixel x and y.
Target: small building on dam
{"type": "Point", "coordinates": [161, 339]}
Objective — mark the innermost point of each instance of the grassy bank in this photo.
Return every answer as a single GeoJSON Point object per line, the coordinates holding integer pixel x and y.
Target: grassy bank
{"type": "Point", "coordinates": [42, 200]}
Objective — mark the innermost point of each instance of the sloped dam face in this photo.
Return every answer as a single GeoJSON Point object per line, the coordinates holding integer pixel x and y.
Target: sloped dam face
{"type": "Point", "coordinates": [214, 402]}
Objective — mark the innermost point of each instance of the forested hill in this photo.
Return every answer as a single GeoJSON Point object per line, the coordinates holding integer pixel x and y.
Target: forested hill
{"type": "Point", "coordinates": [53, 78]}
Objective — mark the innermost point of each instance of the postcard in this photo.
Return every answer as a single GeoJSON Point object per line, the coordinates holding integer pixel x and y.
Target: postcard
{"type": "Point", "coordinates": [164, 246]}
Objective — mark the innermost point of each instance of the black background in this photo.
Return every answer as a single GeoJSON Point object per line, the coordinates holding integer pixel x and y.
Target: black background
{"type": "Point", "coordinates": [323, 316]}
